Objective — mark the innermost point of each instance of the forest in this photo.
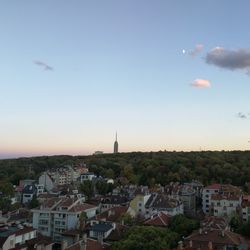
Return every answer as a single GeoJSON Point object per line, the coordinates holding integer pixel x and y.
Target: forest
{"type": "Point", "coordinates": [143, 168]}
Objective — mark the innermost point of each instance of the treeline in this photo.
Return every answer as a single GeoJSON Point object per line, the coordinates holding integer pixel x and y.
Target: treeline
{"type": "Point", "coordinates": [143, 168]}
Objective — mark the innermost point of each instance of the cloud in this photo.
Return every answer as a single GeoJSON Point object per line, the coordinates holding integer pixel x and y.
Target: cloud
{"type": "Point", "coordinates": [44, 65]}
{"type": "Point", "coordinates": [229, 59]}
{"type": "Point", "coordinates": [198, 48]}
{"type": "Point", "coordinates": [241, 115]}
{"type": "Point", "coordinates": [201, 83]}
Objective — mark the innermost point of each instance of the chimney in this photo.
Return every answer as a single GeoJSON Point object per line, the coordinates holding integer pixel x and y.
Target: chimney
{"type": "Point", "coordinates": [64, 244]}
{"type": "Point", "coordinates": [210, 245]}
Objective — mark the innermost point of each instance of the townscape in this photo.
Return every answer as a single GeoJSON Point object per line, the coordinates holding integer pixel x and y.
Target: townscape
{"type": "Point", "coordinates": [69, 207]}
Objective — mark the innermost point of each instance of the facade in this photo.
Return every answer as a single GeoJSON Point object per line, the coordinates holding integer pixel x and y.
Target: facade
{"type": "Point", "coordinates": [162, 203]}
{"type": "Point", "coordinates": [225, 205]}
{"type": "Point", "coordinates": [138, 205]}
{"type": "Point", "coordinates": [28, 192]}
{"type": "Point", "coordinates": [221, 199]}
{"type": "Point", "coordinates": [187, 195]}
{"type": "Point", "coordinates": [89, 176]}
{"type": "Point", "coordinates": [245, 208]}
{"type": "Point", "coordinates": [22, 237]}
{"type": "Point", "coordinates": [46, 180]}
{"type": "Point", "coordinates": [113, 201]}
{"type": "Point", "coordinates": [56, 215]}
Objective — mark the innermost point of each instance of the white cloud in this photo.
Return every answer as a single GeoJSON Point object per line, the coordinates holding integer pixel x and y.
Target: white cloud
{"type": "Point", "coordinates": [201, 83]}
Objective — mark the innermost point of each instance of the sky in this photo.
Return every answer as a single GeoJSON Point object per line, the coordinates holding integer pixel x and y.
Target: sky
{"type": "Point", "coordinates": [166, 75]}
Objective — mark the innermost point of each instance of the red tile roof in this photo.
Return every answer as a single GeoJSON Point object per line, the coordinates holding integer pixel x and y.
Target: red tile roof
{"type": "Point", "coordinates": [113, 214]}
{"type": "Point", "coordinates": [214, 186]}
{"type": "Point", "coordinates": [81, 207]}
{"type": "Point", "coordinates": [91, 245]}
{"type": "Point", "coordinates": [161, 219]}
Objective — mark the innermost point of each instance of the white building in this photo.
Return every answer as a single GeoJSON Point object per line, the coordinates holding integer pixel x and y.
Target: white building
{"type": "Point", "coordinates": [163, 203]}
{"type": "Point", "coordinates": [56, 215]}
{"type": "Point", "coordinates": [87, 176]}
{"type": "Point", "coordinates": [222, 189]}
{"type": "Point", "coordinates": [47, 181]}
{"type": "Point", "coordinates": [225, 205]}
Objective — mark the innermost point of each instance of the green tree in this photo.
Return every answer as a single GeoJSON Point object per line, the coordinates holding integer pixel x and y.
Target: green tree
{"type": "Point", "coordinates": [183, 225]}
{"type": "Point", "coordinates": [147, 238]}
{"type": "Point", "coordinates": [87, 188]}
{"type": "Point", "coordinates": [34, 202]}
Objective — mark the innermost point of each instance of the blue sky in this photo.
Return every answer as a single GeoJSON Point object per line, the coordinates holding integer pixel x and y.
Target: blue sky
{"type": "Point", "coordinates": [118, 66]}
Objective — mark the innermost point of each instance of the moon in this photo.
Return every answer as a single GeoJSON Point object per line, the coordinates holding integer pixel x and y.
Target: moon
{"type": "Point", "coordinates": [183, 51]}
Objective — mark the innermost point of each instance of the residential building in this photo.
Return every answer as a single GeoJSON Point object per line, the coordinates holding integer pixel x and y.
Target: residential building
{"type": "Point", "coordinates": [28, 193]}
{"type": "Point", "coordinates": [160, 219]}
{"type": "Point", "coordinates": [222, 189]}
{"type": "Point", "coordinates": [187, 195]}
{"type": "Point", "coordinates": [110, 201]}
{"type": "Point", "coordinates": [245, 208]}
{"type": "Point", "coordinates": [163, 203]}
{"type": "Point", "coordinates": [56, 215]}
{"type": "Point", "coordinates": [47, 181]}
{"type": "Point", "coordinates": [225, 204]}
{"type": "Point", "coordinates": [88, 176]}
{"type": "Point", "coordinates": [215, 239]}
{"type": "Point", "coordinates": [21, 237]}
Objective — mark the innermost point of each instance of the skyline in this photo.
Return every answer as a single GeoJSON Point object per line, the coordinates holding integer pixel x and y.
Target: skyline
{"type": "Point", "coordinates": [168, 75]}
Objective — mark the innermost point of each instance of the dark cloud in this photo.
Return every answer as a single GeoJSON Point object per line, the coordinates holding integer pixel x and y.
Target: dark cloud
{"type": "Point", "coordinates": [241, 115]}
{"type": "Point", "coordinates": [44, 65]}
{"type": "Point", "coordinates": [229, 59]}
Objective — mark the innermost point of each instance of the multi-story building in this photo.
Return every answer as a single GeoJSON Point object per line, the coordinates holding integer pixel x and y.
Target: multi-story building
{"type": "Point", "coordinates": [55, 215]}
{"type": "Point", "coordinates": [22, 237]}
{"type": "Point", "coordinates": [222, 189]}
{"type": "Point", "coordinates": [245, 207]}
{"type": "Point", "coordinates": [225, 205]}
{"type": "Point", "coordinates": [163, 203]}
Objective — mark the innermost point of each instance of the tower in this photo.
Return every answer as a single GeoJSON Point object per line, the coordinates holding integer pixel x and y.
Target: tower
{"type": "Point", "coordinates": [116, 144]}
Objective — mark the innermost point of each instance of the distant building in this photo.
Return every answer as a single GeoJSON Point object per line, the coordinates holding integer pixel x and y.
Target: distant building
{"type": "Point", "coordinates": [98, 153]}
{"type": "Point", "coordinates": [116, 145]}
{"type": "Point", "coordinates": [89, 176]}
{"type": "Point", "coordinates": [28, 192]}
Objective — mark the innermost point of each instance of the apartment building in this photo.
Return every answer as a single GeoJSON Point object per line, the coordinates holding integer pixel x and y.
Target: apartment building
{"type": "Point", "coordinates": [56, 215]}
{"type": "Point", "coordinates": [225, 190]}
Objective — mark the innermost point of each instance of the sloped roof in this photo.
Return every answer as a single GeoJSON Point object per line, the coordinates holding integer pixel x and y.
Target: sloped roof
{"type": "Point", "coordinates": [160, 219]}
{"type": "Point", "coordinates": [113, 214]}
{"type": "Point", "coordinates": [91, 245]}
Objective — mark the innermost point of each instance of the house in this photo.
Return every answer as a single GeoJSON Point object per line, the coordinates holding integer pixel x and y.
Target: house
{"type": "Point", "coordinates": [47, 181]}
{"type": "Point", "coordinates": [89, 176]}
{"type": "Point", "coordinates": [160, 219]}
{"type": "Point", "coordinates": [28, 192]}
{"type": "Point", "coordinates": [56, 215]}
{"type": "Point", "coordinates": [113, 214]}
{"type": "Point", "coordinates": [245, 208]}
{"type": "Point", "coordinates": [222, 189]}
{"type": "Point", "coordinates": [86, 244]}
{"type": "Point", "coordinates": [110, 201]}
{"type": "Point", "coordinates": [215, 239]}
{"type": "Point", "coordinates": [163, 203]}
{"type": "Point", "coordinates": [21, 237]}
{"type": "Point", "coordinates": [137, 205]}
{"type": "Point", "coordinates": [225, 204]}
{"type": "Point", "coordinates": [101, 230]}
